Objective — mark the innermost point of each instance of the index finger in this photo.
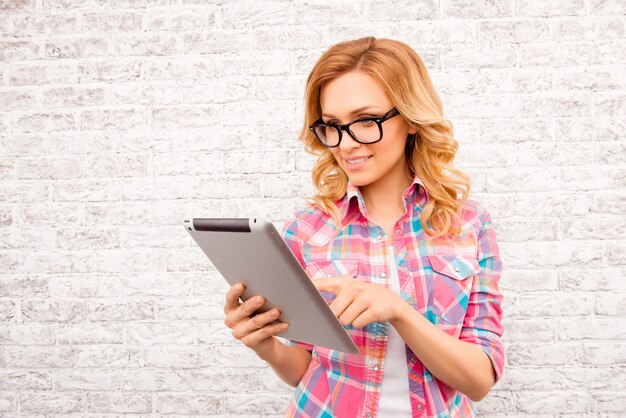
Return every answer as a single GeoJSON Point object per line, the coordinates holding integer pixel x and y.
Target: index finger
{"type": "Point", "coordinates": [330, 284]}
{"type": "Point", "coordinates": [232, 297]}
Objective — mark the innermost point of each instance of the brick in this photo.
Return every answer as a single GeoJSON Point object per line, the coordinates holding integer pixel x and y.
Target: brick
{"type": "Point", "coordinates": [48, 168]}
{"type": "Point", "coordinates": [148, 333]}
{"type": "Point", "coordinates": [144, 45]}
{"type": "Point", "coordinates": [217, 41]}
{"type": "Point", "coordinates": [476, 9]}
{"type": "Point", "coordinates": [534, 402]}
{"type": "Point", "coordinates": [554, 305]}
{"type": "Point", "coordinates": [27, 334]}
{"type": "Point", "coordinates": [555, 8]}
{"type": "Point", "coordinates": [602, 278]}
{"type": "Point", "coordinates": [196, 67]}
{"type": "Point", "coordinates": [599, 7]}
{"type": "Point", "coordinates": [30, 357]}
{"type": "Point", "coordinates": [512, 31]}
{"type": "Point", "coordinates": [105, 22]}
{"type": "Point", "coordinates": [51, 401]}
{"type": "Point", "coordinates": [613, 202]}
{"type": "Point", "coordinates": [608, 53]}
{"type": "Point", "coordinates": [73, 97]}
{"type": "Point", "coordinates": [185, 403]}
{"type": "Point", "coordinates": [129, 118]}
{"type": "Point", "coordinates": [603, 352]}
{"type": "Point", "coordinates": [76, 47]}
{"type": "Point", "coordinates": [253, 16]}
{"type": "Point", "coordinates": [506, 80]}
{"type": "Point", "coordinates": [17, 100]}
{"type": "Point", "coordinates": [607, 401]}
{"type": "Point", "coordinates": [107, 356]}
{"type": "Point", "coordinates": [176, 310]}
{"type": "Point", "coordinates": [183, 116]}
{"type": "Point", "coordinates": [87, 380]}
{"type": "Point", "coordinates": [541, 354]}
{"type": "Point", "coordinates": [473, 56]}
{"type": "Point", "coordinates": [528, 330]}
{"type": "Point", "coordinates": [593, 227]}
{"type": "Point", "coordinates": [552, 54]}
{"type": "Point", "coordinates": [591, 328]}
{"type": "Point", "coordinates": [513, 130]}
{"type": "Point", "coordinates": [183, 357]}
{"type": "Point", "coordinates": [401, 10]}
{"type": "Point", "coordinates": [19, 50]}
{"type": "Point", "coordinates": [90, 333]}
{"type": "Point", "coordinates": [119, 70]}
{"type": "Point", "coordinates": [47, 310]}
{"type": "Point", "coordinates": [38, 122]}
{"type": "Point", "coordinates": [118, 402]}
{"type": "Point", "coordinates": [26, 380]}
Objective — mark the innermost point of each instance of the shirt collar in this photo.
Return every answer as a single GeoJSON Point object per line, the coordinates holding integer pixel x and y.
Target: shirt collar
{"type": "Point", "coordinates": [415, 193]}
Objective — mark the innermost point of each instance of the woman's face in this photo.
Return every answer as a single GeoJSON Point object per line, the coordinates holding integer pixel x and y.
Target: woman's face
{"type": "Point", "coordinates": [340, 100]}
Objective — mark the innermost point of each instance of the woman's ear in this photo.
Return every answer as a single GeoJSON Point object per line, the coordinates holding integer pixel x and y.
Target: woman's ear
{"type": "Point", "coordinates": [412, 128]}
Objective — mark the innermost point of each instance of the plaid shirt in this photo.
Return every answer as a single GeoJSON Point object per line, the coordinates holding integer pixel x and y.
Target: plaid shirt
{"type": "Point", "coordinates": [453, 283]}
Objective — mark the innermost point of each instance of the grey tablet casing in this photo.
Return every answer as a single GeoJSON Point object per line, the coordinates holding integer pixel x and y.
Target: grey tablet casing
{"type": "Point", "coordinates": [251, 251]}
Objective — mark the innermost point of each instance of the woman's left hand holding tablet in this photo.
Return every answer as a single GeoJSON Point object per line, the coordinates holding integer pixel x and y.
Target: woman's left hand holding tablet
{"type": "Point", "coordinates": [256, 332]}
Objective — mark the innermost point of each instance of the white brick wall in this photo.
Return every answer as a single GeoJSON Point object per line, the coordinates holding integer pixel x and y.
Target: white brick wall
{"type": "Point", "coordinates": [119, 117]}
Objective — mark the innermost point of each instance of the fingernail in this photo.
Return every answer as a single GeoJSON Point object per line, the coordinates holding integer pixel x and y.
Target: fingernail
{"type": "Point", "coordinates": [284, 326]}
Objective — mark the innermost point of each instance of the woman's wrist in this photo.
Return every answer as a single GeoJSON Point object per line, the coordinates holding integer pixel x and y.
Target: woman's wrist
{"type": "Point", "coordinates": [402, 311]}
{"type": "Point", "coordinates": [270, 349]}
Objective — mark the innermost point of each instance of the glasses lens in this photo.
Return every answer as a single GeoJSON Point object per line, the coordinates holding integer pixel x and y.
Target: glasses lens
{"type": "Point", "coordinates": [366, 131]}
{"type": "Point", "coordinates": [327, 135]}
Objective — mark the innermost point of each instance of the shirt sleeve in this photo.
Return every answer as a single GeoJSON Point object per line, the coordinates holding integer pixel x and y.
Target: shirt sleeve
{"type": "Point", "coordinates": [290, 236]}
{"type": "Point", "coordinates": [482, 324]}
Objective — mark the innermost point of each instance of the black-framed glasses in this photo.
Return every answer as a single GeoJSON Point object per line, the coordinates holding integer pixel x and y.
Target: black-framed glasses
{"type": "Point", "coordinates": [364, 130]}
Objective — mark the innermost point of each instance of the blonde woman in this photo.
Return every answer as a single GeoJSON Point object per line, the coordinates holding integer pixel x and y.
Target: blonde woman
{"type": "Point", "coordinates": [411, 261]}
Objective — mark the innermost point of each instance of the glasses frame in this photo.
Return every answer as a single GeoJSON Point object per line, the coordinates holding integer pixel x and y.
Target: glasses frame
{"type": "Point", "coordinates": [346, 127]}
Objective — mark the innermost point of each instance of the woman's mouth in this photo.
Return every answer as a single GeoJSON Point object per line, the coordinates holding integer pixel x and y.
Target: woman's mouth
{"type": "Point", "coordinates": [358, 163]}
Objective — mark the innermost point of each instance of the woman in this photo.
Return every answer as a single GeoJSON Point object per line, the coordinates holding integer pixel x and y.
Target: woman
{"type": "Point", "coordinates": [413, 262]}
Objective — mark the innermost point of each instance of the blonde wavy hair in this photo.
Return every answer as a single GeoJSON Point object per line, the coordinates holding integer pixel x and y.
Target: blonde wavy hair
{"type": "Point", "coordinates": [429, 152]}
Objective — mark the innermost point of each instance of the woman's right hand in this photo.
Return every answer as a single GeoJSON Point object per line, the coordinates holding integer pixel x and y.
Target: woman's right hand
{"type": "Point", "coordinates": [254, 332]}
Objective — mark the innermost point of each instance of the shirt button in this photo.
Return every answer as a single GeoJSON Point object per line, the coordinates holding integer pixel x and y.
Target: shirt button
{"type": "Point", "coordinates": [398, 232]}
{"type": "Point", "coordinates": [379, 237]}
{"type": "Point", "coordinates": [419, 407]}
{"type": "Point", "coordinates": [457, 268]}
{"type": "Point", "coordinates": [383, 274]}
{"type": "Point", "coordinates": [369, 415]}
{"type": "Point", "coordinates": [375, 368]}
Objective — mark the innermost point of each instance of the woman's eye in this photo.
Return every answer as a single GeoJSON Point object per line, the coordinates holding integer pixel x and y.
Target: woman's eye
{"type": "Point", "coordinates": [336, 122]}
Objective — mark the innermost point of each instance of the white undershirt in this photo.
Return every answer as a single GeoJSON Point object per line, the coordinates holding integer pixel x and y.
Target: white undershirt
{"type": "Point", "coordinates": [394, 395]}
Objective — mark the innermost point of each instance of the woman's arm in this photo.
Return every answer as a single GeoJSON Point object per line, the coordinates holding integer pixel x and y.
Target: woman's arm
{"type": "Point", "coordinates": [459, 364]}
{"type": "Point", "coordinates": [289, 362]}
{"type": "Point", "coordinates": [475, 361]}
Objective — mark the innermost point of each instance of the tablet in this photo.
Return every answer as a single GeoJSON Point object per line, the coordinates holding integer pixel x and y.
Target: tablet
{"type": "Point", "coordinates": [251, 251]}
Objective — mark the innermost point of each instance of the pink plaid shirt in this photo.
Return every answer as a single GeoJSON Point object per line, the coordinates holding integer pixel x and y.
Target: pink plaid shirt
{"type": "Point", "coordinates": [453, 283]}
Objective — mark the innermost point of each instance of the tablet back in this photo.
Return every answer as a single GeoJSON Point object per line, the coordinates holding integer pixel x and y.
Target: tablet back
{"type": "Point", "coordinates": [251, 251]}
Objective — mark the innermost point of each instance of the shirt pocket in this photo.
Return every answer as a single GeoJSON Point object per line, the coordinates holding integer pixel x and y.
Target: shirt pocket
{"type": "Point", "coordinates": [452, 283]}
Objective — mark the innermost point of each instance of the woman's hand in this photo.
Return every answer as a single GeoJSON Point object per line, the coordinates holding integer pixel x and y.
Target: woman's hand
{"type": "Point", "coordinates": [359, 303]}
{"type": "Point", "coordinates": [254, 332]}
